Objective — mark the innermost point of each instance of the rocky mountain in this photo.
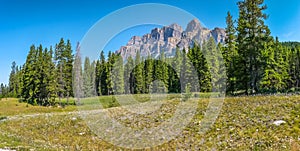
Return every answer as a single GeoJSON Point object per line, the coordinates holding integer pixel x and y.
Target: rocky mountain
{"type": "Point", "coordinates": [168, 38]}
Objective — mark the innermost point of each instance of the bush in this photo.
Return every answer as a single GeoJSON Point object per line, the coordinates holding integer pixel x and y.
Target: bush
{"type": "Point", "coordinates": [113, 102]}
{"type": "Point", "coordinates": [3, 118]}
{"type": "Point", "coordinates": [188, 94]}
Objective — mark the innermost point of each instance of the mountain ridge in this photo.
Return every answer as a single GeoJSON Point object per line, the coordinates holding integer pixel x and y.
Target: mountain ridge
{"type": "Point", "coordinates": [168, 38]}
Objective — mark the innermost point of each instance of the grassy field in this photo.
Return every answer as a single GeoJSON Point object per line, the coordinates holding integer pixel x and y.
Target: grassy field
{"type": "Point", "coordinates": [244, 123]}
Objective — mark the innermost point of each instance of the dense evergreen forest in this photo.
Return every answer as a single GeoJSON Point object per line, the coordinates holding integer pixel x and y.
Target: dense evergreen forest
{"type": "Point", "coordinates": [255, 62]}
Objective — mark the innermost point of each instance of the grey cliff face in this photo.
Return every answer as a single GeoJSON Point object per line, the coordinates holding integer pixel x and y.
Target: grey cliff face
{"type": "Point", "coordinates": [168, 38]}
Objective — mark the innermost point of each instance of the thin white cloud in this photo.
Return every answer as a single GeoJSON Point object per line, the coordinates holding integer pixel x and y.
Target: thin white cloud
{"type": "Point", "coordinates": [289, 34]}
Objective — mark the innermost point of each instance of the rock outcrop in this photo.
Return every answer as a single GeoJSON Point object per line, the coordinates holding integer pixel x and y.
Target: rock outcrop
{"type": "Point", "coordinates": [168, 38]}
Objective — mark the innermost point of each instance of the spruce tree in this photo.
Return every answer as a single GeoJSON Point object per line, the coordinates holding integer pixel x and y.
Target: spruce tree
{"type": "Point", "coordinates": [160, 84]}
{"type": "Point", "coordinates": [186, 73]}
{"type": "Point", "coordinates": [97, 77]}
{"type": "Point", "coordinates": [13, 81]}
{"type": "Point", "coordinates": [29, 76]}
{"type": "Point", "coordinates": [20, 72]}
{"type": "Point", "coordinates": [148, 72]}
{"type": "Point", "coordinates": [203, 70]}
{"type": "Point", "coordinates": [118, 75]}
{"type": "Point", "coordinates": [230, 54]}
{"type": "Point", "coordinates": [41, 91]}
{"type": "Point", "coordinates": [222, 74]}
{"type": "Point", "coordinates": [88, 84]}
{"type": "Point", "coordinates": [253, 35]}
{"type": "Point", "coordinates": [68, 70]}
{"type": "Point", "coordinates": [60, 66]}
{"type": "Point", "coordinates": [129, 76]}
{"type": "Point", "coordinates": [281, 66]}
{"type": "Point", "coordinates": [297, 67]}
{"type": "Point", "coordinates": [138, 74]}
{"type": "Point", "coordinates": [270, 77]}
{"type": "Point", "coordinates": [214, 64]}
{"type": "Point", "coordinates": [174, 82]}
{"type": "Point", "coordinates": [165, 72]}
{"type": "Point", "coordinates": [93, 76]}
{"type": "Point", "coordinates": [193, 58]}
{"type": "Point", "coordinates": [102, 72]}
{"type": "Point", "coordinates": [108, 71]}
{"type": "Point", "coordinates": [2, 91]}
{"type": "Point", "coordinates": [51, 84]}
{"type": "Point", "coordinates": [294, 62]}
{"type": "Point", "coordinates": [77, 76]}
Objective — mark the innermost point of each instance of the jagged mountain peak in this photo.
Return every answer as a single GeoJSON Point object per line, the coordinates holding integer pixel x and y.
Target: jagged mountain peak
{"type": "Point", "coordinates": [168, 38]}
{"type": "Point", "coordinates": [193, 25]}
{"type": "Point", "coordinates": [176, 27]}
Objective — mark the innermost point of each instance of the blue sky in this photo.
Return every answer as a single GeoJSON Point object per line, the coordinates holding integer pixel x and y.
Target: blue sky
{"type": "Point", "coordinates": [27, 22]}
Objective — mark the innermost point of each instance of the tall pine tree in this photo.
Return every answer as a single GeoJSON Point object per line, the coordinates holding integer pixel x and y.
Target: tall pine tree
{"type": "Point", "coordinates": [138, 74]}
{"type": "Point", "coordinates": [230, 54]}
{"type": "Point", "coordinates": [118, 75]}
{"type": "Point", "coordinates": [77, 75]}
{"type": "Point", "coordinates": [253, 35]}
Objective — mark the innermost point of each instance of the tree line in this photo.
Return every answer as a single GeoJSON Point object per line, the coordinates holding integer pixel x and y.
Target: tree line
{"type": "Point", "coordinates": [251, 61]}
{"type": "Point", "coordinates": [255, 61]}
{"type": "Point", "coordinates": [45, 76]}
{"type": "Point", "coordinates": [142, 75]}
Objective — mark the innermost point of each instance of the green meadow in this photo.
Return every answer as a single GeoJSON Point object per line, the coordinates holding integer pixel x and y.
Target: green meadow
{"type": "Point", "coordinates": [244, 123]}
